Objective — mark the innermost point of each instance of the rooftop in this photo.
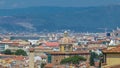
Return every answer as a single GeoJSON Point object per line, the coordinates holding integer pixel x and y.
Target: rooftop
{"type": "Point", "coordinates": [75, 52]}
{"type": "Point", "coordinates": [52, 44]}
{"type": "Point", "coordinates": [112, 50]}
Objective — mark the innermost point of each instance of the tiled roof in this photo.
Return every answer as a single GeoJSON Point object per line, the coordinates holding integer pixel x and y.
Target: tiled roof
{"type": "Point", "coordinates": [19, 58]}
{"type": "Point", "coordinates": [7, 55]}
{"type": "Point", "coordinates": [113, 66]}
{"type": "Point", "coordinates": [31, 49]}
{"type": "Point", "coordinates": [95, 42]}
{"type": "Point", "coordinates": [75, 52]}
{"type": "Point", "coordinates": [43, 56]}
{"type": "Point", "coordinates": [118, 38]}
{"type": "Point", "coordinates": [113, 50]}
{"type": "Point", "coordinates": [6, 59]}
{"type": "Point", "coordinates": [9, 42]}
{"type": "Point", "coordinates": [52, 44]}
{"type": "Point", "coordinates": [49, 66]}
{"type": "Point", "coordinates": [98, 42]}
{"type": "Point", "coordinates": [41, 47]}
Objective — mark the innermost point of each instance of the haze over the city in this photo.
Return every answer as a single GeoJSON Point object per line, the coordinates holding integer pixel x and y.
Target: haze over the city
{"type": "Point", "coordinates": [57, 15]}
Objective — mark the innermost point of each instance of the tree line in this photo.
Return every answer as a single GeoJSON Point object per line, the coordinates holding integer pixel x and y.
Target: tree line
{"type": "Point", "coordinates": [17, 52]}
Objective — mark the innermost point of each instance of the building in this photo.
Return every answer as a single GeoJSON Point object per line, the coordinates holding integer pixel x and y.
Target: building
{"type": "Point", "coordinates": [3, 46]}
{"type": "Point", "coordinates": [111, 56]}
{"type": "Point", "coordinates": [66, 50]}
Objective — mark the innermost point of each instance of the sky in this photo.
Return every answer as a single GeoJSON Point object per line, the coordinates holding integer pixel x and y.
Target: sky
{"type": "Point", "coordinates": [8, 4]}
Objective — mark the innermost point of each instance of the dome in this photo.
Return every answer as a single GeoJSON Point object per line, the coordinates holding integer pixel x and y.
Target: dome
{"type": "Point", "coordinates": [65, 32]}
{"type": "Point", "coordinates": [66, 39]}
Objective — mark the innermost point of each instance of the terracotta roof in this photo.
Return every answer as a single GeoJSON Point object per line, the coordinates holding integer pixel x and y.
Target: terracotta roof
{"type": "Point", "coordinates": [7, 55]}
{"type": "Point", "coordinates": [91, 48]}
{"type": "Point", "coordinates": [31, 49]}
{"type": "Point", "coordinates": [118, 38]}
{"type": "Point", "coordinates": [41, 47]}
{"type": "Point", "coordinates": [49, 66]}
{"type": "Point", "coordinates": [113, 66]}
{"type": "Point", "coordinates": [76, 52]}
{"type": "Point", "coordinates": [113, 50]}
{"type": "Point", "coordinates": [19, 58]}
{"type": "Point", "coordinates": [52, 44]}
{"type": "Point", "coordinates": [43, 56]}
{"type": "Point", "coordinates": [9, 42]}
{"type": "Point", "coordinates": [95, 42]}
{"type": "Point", "coordinates": [7, 59]}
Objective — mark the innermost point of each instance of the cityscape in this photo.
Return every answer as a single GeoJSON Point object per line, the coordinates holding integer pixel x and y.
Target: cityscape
{"type": "Point", "coordinates": [59, 34]}
{"type": "Point", "coordinates": [56, 50]}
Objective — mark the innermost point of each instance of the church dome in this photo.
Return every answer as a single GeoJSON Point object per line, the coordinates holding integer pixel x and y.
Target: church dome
{"type": "Point", "coordinates": [66, 39]}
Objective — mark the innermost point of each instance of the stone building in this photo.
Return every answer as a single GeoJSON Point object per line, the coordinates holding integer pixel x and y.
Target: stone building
{"type": "Point", "coordinates": [66, 50]}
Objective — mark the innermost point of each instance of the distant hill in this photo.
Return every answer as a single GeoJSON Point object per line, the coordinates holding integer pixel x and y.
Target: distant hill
{"type": "Point", "coordinates": [79, 19]}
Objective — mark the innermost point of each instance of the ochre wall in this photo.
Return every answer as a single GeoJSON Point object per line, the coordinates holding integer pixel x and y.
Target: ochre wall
{"type": "Point", "coordinates": [62, 48]}
{"type": "Point", "coordinates": [31, 60]}
{"type": "Point", "coordinates": [112, 59]}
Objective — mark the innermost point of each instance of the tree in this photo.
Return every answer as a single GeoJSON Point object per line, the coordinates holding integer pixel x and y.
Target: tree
{"type": "Point", "coordinates": [7, 52]}
{"type": "Point", "coordinates": [66, 60]}
{"type": "Point", "coordinates": [42, 65]}
{"type": "Point", "coordinates": [73, 60]}
{"type": "Point", "coordinates": [95, 56]}
{"type": "Point", "coordinates": [92, 56]}
{"type": "Point", "coordinates": [20, 52]}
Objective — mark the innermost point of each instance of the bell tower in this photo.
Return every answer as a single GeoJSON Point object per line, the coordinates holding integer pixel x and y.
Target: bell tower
{"type": "Point", "coordinates": [66, 43]}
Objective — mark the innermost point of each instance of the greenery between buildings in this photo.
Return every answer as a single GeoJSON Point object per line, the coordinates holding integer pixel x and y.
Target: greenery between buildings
{"type": "Point", "coordinates": [20, 52]}
{"type": "Point", "coordinates": [7, 52]}
{"type": "Point", "coordinates": [73, 60]}
{"type": "Point", "coordinates": [93, 56]}
{"type": "Point", "coordinates": [17, 52]}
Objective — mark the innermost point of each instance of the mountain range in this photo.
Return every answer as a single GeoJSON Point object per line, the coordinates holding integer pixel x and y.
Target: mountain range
{"type": "Point", "coordinates": [52, 19]}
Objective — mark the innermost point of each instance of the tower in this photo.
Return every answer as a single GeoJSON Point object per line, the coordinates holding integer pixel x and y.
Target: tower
{"type": "Point", "coordinates": [31, 58]}
{"type": "Point", "coordinates": [66, 50]}
{"type": "Point", "coordinates": [66, 43]}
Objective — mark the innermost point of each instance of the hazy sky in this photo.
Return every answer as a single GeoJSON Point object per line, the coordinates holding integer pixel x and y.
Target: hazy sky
{"type": "Point", "coordinates": [64, 3]}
